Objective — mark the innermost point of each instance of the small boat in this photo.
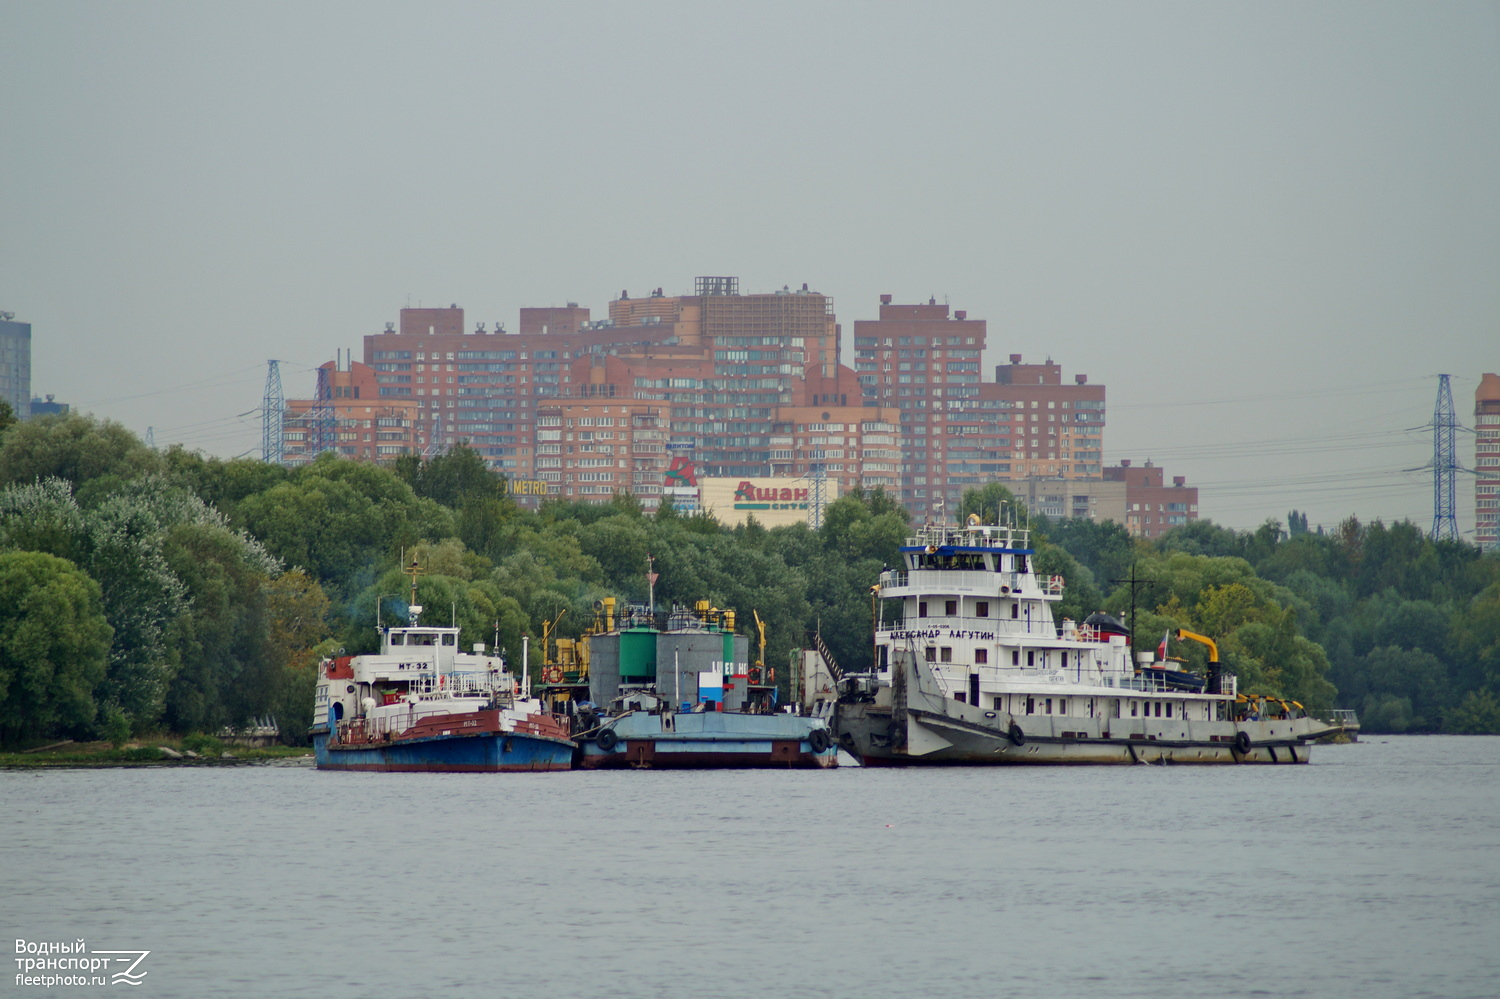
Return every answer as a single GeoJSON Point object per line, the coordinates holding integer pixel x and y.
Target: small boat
{"type": "Point", "coordinates": [683, 695]}
{"type": "Point", "coordinates": [970, 669]}
{"type": "Point", "coordinates": [420, 704]}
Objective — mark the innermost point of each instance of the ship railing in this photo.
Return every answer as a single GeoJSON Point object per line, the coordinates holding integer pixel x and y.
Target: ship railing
{"type": "Point", "coordinates": [953, 580]}
{"type": "Point", "coordinates": [995, 537]}
{"type": "Point", "coordinates": [459, 684]}
{"type": "Point", "coordinates": [1001, 628]}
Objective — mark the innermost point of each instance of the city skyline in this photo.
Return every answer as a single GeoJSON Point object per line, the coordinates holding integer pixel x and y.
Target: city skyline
{"type": "Point", "coordinates": [1266, 229]}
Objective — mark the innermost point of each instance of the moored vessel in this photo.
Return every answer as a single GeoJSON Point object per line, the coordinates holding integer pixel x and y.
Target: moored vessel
{"type": "Point", "coordinates": [677, 693]}
{"type": "Point", "coordinates": [970, 669]}
{"type": "Point", "coordinates": [421, 704]}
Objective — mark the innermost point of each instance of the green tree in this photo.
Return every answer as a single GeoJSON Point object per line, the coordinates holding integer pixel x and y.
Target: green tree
{"type": "Point", "coordinates": [75, 448]}
{"type": "Point", "coordinates": [54, 643]}
{"type": "Point", "coordinates": [1477, 714]}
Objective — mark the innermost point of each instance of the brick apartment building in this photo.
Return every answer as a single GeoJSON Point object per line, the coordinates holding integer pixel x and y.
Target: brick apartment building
{"type": "Point", "coordinates": [1153, 508]}
{"type": "Point", "coordinates": [1487, 462]}
{"type": "Point", "coordinates": [350, 417]}
{"type": "Point", "coordinates": [738, 386]}
{"type": "Point", "coordinates": [960, 431]}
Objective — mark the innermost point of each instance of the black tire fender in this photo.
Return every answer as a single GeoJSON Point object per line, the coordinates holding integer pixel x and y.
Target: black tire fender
{"type": "Point", "coordinates": [1242, 742]}
{"type": "Point", "coordinates": [607, 740]}
{"type": "Point", "coordinates": [819, 740]}
{"type": "Point", "coordinates": [1016, 736]}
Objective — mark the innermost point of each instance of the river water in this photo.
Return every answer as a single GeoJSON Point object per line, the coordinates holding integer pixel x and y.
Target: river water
{"type": "Point", "coordinates": [1373, 872]}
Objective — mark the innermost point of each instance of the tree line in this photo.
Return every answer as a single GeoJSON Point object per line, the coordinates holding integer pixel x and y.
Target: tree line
{"type": "Point", "coordinates": [144, 590]}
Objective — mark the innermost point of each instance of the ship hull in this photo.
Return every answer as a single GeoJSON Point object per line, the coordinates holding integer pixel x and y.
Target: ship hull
{"type": "Point", "coordinates": [964, 736]}
{"type": "Point", "coordinates": [712, 740]}
{"type": "Point", "coordinates": [485, 752]}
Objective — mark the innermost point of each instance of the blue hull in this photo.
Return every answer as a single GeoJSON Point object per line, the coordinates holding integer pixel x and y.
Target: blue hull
{"type": "Point", "coordinates": [712, 740]}
{"type": "Point", "coordinates": [480, 753]}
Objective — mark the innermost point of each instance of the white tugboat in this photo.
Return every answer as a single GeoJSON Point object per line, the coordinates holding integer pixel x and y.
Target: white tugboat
{"type": "Point", "coordinates": [973, 671]}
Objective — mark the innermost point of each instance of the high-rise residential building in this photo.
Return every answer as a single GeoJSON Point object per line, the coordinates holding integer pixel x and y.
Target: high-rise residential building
{"type": "Point", "coordinates": [593, 448]}
{"type": "Point", "coordinates": [725, 385]}
{"type": "Point", "coordinates": [1487, 462]}
{"type": "Point", "coordinates": [15, 364]}
{"type": "Point", "coordinates": [351, 419]}
{"type": "Point", "coordinates": [961, 432]}
{"type": "Point", "coordinates": [1153, 508]}
{"type": "Point", "coordinates": [728, 380]}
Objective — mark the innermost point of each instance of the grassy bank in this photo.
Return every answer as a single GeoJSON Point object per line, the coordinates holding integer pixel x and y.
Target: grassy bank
{"type": "Point", "coordinates": [191, 752]}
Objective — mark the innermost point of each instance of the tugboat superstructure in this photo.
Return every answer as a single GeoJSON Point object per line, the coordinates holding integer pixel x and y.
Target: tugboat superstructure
{"type": "Point", "coordinates": [973, 669]}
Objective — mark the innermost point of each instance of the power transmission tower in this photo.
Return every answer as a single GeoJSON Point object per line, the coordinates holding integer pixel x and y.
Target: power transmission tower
{"type": "Point", "coordinates": [272, 410]}
{"type": "Point", "coordinates": [1444, 464]}
{"type": "Point", "coordinates": [151, 438]}
{"type": "Point", "coordinates": [321, 432]}
{"type": "Point", "coordinates": [817, 475]}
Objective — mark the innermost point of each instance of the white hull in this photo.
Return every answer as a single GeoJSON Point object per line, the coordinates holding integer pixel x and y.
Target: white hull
{"type": "Point", "coordinates": [917, 726]}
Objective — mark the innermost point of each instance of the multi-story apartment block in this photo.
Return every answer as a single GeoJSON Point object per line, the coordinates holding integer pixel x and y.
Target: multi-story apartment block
{"type": "Point", "coordinates": [15, 364]}
{"type": "Point", "coordinates": [961, 432]}
{"type": "Point", "coordinates": [732, 386]}
{"type": "Point", "coordinates": [1487, 462]}
{"type": "Point", "coordinates": [1151, 507]}
{"type": "Point", "coordinates": [594, 448]}
{"type": "Point", "coordinates": [350, 417]}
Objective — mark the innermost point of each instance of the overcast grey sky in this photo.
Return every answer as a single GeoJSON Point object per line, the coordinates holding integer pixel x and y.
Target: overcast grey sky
{"type": "Point", "coordinates": [1266, 227]}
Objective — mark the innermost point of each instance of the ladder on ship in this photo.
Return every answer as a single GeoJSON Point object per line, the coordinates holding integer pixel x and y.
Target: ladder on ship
{"type": "Point", "coordinates": [827, 654]}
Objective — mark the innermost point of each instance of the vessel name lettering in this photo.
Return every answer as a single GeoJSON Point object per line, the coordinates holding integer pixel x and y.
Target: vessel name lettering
{"type": "Point", "coordinates": [978, 636]}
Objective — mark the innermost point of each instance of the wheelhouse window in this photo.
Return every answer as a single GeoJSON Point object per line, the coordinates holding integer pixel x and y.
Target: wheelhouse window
{"type": "Point", "coordinates": [982, 608]}
{"type": "Point", "coordinates": [922, 608]}
{"type": "Point", "coordinates": [981, 656]}
{"type": "Point", "coordinates": [945, 654]}
{"type": "Point", "coordinates": [950, 608]}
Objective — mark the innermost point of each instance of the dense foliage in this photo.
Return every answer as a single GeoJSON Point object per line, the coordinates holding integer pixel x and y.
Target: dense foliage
{"type": "Point", "coordinates": [143, 590]}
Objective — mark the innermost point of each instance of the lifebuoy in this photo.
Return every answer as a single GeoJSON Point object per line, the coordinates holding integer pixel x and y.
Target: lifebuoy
{"type": "Point", "coordinates": [819, 740]}
{"type": "Point", "coordinates": [755, 675]}
{"type": "Point", "coordinates": [1242, 742]}
{"type": "Point", "coordinates": [606, 739]}
{"type": "Point", "coordinates": [1015, 735]}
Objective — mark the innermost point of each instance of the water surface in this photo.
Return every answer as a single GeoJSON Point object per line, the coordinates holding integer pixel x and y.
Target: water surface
{"type": "Point", "coordinates": [1372, 872]}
